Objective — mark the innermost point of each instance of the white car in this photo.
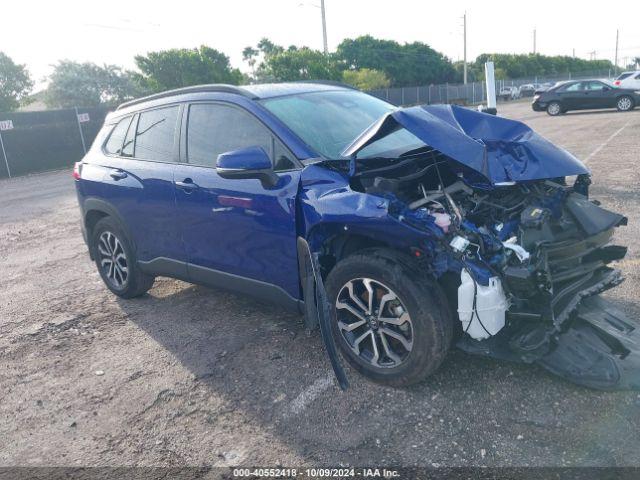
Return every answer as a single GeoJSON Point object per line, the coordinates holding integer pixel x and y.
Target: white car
{"type": "Point", "coordinates": [628, 80]}
{"type": "Point", "coordinates": [509, 93]}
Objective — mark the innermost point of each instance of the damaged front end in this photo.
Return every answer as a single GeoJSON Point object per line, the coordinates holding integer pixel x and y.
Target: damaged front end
{"type": "Point", "coordinates": [521, 253]}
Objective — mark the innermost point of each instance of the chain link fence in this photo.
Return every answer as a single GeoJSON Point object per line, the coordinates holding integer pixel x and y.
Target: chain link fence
{"type": "Point", "coordinates": [472, 93]}
{"type": "Point", "coordinates": [48, 140]}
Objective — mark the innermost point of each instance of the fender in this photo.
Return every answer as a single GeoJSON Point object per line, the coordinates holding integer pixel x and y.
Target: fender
{"type": "Point", "coordinates": [99, 205]}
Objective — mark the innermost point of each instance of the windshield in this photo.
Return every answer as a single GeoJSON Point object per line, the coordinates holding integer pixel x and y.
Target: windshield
{"type": "Point", "coordinates": [329, 121]}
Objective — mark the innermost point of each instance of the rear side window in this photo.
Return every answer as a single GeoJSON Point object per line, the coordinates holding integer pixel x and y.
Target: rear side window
{"type": "Point", "coordinates": [155, 135]}
{"type": "Point", "coordinates": [214, 129]}
{"type": "Point", "coordinates": [623, 76]}
{"type": "Point", "coordinates": [574, 87]}
{"type": "Point", "coordinates": [593, 86]}
{"type": "Point", "coordinates": [116, 139]}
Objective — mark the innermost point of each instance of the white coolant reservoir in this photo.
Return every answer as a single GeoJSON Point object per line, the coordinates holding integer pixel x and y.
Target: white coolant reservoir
{"type": "Point", "coordinates": [487, 318]}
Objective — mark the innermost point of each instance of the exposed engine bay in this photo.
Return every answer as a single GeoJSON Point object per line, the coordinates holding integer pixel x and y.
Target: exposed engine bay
{"type": "Point", "coordinates": [521, 261]}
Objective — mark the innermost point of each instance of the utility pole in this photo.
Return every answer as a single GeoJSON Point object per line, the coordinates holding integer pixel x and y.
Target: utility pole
{"type": "Point", "coordinates": [534, 41]}
{"type": "Point", "coordinates": [324, 28]}
{"type": "Point", "coordinates": [465, 47]}
{"type": "Point", "coordinates": [615, 63]}
{"type": "Point", "coordinates": [592, 55]}
{"type": "Point", "coordinates": [574, 53]}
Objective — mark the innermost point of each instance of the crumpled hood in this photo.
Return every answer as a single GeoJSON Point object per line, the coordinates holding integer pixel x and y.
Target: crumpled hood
{"type": "Point", "coordinates": [502, 150]}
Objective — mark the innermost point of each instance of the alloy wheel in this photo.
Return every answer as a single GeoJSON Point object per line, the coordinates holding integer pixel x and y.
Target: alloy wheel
{"type": "Point", "coordinates": [624, 103]}
{"type": "Point", "coordinates": [374, 323]}
{"type": "Point", "coordinates": [554, 108]}
{"type": "Point", "coordinates": [113, 259]}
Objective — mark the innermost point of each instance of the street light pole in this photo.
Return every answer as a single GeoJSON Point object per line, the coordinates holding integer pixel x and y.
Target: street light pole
{"type": "Point", "coordinates": [615, 63]}
{"type": "Point", "coordinates": [324, 28]}
{"type": "Point", "coordinates": [465, 47]}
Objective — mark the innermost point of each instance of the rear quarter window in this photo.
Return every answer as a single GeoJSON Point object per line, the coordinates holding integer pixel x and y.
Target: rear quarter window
{"type": "Point", "coordinates": [116, 138]}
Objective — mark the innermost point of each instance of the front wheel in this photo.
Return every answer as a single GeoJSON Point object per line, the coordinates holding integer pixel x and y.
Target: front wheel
{"type": "Point", "coordinates": [625, 103]}
{"type": "Point", "coordinates": [554, 109]}
{"type": "Point", "coordinates": [391, 322]}
{"type": "Point", "coordinates": [116, 260]}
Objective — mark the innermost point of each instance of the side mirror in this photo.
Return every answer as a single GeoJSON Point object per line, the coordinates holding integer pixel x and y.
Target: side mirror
{"type": "Point", "coordinates": [251, 162]}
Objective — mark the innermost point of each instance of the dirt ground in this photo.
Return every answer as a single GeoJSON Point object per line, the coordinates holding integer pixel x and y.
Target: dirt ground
{"type": "Point", "coordinates": [192, 376]}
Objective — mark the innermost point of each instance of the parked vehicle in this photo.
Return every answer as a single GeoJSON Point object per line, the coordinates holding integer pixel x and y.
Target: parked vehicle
{"type": "Point", "coordinates": [628, 80]}
{"type": "Point", "coordinates": [509, 93]}
{"type": "Point", "coordinates": [527, 90]}
{"type": "Point", "coordinates": [543, 87]}
{"type": "Point", "coordinates": [584, 95]}
{"type": "Point", "coordinates": [394, 230]}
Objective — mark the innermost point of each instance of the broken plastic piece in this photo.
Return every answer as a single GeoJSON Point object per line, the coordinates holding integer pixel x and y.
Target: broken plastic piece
{"type": "Point", "coordinates": [520, 252]}
{"type": "Point", "coordinates": [459, 244]}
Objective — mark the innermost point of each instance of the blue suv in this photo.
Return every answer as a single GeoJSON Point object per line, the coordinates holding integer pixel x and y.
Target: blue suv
{"type": "Point", "coordinates": [400, 232]}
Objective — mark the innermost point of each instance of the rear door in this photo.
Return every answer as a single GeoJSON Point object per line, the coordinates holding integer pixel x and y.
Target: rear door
{"type": "Point", "coordinates": [573, 96]}
{"type": "Point", "coordinates": [236, 228]}
{"type": "Point", "coordinates": [139, 181]}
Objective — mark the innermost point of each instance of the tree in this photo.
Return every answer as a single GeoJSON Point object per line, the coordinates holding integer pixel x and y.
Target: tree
{"type": "Point", "coordinates": [88, 85]}
{"type": "Point", "coordinates": [405, 65]}
{"type": "Point", "coordinates": [277, 64]}
{"type": "Point", "coordinates": [530, 65]}
{"type": "Point", "coordinates": [366, 79]}
{"type": "Point", "coordinates": [15, 83]}
{"type": "Point", "coordinates": [175, 68]}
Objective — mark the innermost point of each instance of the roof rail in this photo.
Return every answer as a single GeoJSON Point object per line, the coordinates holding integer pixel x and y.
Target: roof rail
{"type": "Point", "coordinates": [334, 83]}
{"type": "Point", "coordinates": [216, 87]}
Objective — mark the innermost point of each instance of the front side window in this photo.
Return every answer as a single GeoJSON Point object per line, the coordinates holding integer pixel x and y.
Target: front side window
{"type": "Point", "coordinates": [116, 139]}
{"type": "Point", "coordinates": [155, 135]}
{"type": "Point", "coordinates": [214, 129]}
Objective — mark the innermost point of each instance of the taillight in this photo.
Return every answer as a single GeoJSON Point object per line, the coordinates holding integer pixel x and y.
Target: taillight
{"type": "Point", "coordinates": [617, 82]}
{"type": "Point", "coordinates": [77, 168]}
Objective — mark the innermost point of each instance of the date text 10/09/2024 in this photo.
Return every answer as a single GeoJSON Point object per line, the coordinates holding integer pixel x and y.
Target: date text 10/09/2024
{"type": "Point", "coordinates": [315, 472]}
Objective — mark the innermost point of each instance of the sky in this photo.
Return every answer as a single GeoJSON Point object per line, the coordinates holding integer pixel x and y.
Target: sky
{"type": "Point", "coordinates": [39, 33]}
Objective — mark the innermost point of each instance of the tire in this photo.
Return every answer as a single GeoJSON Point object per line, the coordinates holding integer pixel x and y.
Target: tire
{"type": "Point", "coordinates": [414, 301]}
{"type": "Point", "coordinates": [116, 261]}
{"type": "Point", "coordinates": [625, 103]}
{"type": "Point", "coordinates": [554, 109]}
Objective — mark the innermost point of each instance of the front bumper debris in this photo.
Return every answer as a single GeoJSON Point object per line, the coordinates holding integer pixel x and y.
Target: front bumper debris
{"type": "Point", "coordinates": [600, 350]}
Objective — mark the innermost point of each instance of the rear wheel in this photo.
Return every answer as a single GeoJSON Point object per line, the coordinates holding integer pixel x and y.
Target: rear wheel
{"type": "Point", "coordinates": [116, 260]}
{"type": "Point", "coordinates": [625, 103]}
{"type": "Point", "coordinates": [554, 109]}
{"type": "Point", "coordinates": [391, 322]}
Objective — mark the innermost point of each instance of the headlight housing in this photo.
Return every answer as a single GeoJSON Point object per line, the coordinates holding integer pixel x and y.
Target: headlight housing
{"type": "Point", "coordinates": [536, 97]}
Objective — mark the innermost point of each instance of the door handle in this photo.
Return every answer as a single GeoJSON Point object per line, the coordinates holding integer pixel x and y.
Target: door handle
{"type": "Point", "coordinates": [187, 185]}
{"type": "Point", "coordinates": [118, 175]}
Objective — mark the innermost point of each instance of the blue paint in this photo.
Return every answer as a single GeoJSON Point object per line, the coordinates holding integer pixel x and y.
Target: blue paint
{"type": "Point", "coordinates": [500, 149]}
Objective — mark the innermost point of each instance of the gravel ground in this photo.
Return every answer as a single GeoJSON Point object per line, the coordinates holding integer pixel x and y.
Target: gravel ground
{"type": "Point", "coordinates": [192, 376]}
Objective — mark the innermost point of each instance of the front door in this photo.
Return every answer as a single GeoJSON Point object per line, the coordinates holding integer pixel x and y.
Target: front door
{"type": "Point", "coordinates": [600, 95]}
{"type": "Point", "coordinates": [236, 230]}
